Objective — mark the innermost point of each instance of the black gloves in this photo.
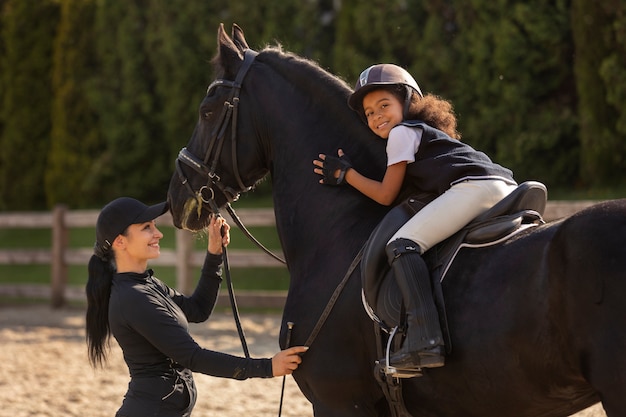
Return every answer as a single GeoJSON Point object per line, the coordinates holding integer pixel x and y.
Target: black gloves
{"type": "Point", "coordinates": [332, 164]}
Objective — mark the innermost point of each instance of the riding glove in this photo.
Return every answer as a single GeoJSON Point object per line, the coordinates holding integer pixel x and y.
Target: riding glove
{"type": "Point", "coordinates": [332, 164]}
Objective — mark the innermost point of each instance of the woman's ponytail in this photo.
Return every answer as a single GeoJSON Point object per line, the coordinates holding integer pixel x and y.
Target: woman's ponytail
{"type": "Point", "coordinates": [98, 290]}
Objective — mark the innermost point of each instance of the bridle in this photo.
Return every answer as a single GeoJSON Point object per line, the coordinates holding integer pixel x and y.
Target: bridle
{"type": "Point", "coordinates": [206, 193]}
{"type": "Point", "coordinates": [227, 117]}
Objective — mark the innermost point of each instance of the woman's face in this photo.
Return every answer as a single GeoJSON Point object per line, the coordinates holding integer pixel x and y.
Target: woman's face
{"type": "Point", "coordinates": [142, 241]}
{"type": "Point", "coordinates": [383, 111]}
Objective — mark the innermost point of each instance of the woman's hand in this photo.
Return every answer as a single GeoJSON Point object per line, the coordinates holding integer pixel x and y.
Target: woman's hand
{"type": "Point", "coordinates": [286, 361]}
{"type": "Point", "coordinates": [219, 234]}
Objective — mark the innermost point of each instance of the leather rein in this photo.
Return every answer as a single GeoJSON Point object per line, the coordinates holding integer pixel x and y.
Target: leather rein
{"type": "Point", "coordinates": [206, 193]}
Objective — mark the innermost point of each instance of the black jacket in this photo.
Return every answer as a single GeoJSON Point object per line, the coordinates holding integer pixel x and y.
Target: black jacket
{"type": "Point", "coordinates": [150, 320]}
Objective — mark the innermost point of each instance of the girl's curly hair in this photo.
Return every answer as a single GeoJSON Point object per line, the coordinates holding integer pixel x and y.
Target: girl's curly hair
{"type": "Point", "coordinates": [433, 110]}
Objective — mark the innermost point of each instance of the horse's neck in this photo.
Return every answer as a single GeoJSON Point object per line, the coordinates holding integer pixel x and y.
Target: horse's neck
{"type": "Point", "coordinates": [320, 226]}
{"type": "Point", "coordinates": [316, 223]}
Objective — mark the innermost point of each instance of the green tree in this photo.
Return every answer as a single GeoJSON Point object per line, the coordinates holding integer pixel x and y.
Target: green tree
{"type": "Point", "coordinates": [2, 70]}
{"type": "Point", "coordinates": [179, 47]}
{"type": "Point", "coordinates": [435, 60]}
{"type": "Point", "coordinates": [75, 136]}
{"type": "Point", "coordinates": [98, 96]}
{"type": "Point", "coordinates": [136, 161]}
{"type": "Point", "coordinates": [514, 87]}
{"type": "Point", "coordinates": [27, 32]}
{"type": "Point", "coordinates": [295, 24]}
{"type": "Point", "coordinates": [375, 32]}
{"type": "Point", "coordinates": [599, 34]}
{"type": "Point", "coordinates": [613, 71]}
{"type": "Point", "coordinates": [488, 59]}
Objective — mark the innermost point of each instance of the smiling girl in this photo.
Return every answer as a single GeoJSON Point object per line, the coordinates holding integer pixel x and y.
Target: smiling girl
{"type": "Point", "coordinates": [423, 148]}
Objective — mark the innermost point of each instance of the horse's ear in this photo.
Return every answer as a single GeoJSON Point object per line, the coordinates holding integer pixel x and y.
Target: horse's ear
{"type": "Point", "coordinates": [239, 38]}
{"type": "Point", "coordinates": [228, 53]}
{"type": "Point", "coordinates": [224, 41]}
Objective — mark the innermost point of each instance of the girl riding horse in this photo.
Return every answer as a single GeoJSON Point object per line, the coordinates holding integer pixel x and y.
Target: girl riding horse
{"type": "Point", "coordinates": [424, 149]}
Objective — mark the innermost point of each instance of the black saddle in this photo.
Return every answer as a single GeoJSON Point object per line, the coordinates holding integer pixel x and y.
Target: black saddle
{"type": "Point", "coordinates": [381, 297]}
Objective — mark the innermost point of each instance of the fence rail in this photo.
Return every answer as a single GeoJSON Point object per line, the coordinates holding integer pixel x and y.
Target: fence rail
{"type": "Point", "coordinates": [61, 221]}
{"type": "Point", "coordinates": [183, 257]}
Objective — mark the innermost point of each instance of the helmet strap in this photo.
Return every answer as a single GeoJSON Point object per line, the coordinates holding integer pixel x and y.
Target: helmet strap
{"type": "Point", "coordinates": [407, 101]}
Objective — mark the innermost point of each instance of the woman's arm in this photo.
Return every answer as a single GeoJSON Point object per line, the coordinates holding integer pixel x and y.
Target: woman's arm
{"type": "Point", "coordinates": [199, 306]}
{"type": "Point", "coordinates": [146, 312]}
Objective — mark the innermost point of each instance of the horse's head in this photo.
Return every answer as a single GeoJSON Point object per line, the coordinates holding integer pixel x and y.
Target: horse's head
{"type": "Point", "coordinates": [211, 170]}
{"type": "Point", "coordinates": [270, 112]}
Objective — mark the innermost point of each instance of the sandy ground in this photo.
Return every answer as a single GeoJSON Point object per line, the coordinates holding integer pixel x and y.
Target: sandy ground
{"type": "Point", "coordinates": [44, 369]}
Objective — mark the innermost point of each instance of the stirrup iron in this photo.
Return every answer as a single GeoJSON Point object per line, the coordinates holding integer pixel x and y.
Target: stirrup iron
{"type": "Point", "coordinates": [392, 370]}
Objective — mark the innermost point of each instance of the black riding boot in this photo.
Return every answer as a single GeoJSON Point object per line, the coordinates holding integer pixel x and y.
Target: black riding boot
{"type": "Point", "coordinates": [422, 347]}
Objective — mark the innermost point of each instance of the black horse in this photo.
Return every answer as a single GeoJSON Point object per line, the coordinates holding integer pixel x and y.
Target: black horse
{"type": "Point", "coordinates": [537, 323]}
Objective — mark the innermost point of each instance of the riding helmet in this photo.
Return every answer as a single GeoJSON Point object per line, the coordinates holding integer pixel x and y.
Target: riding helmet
{"type": "Point", "coordinates": [379, 75]}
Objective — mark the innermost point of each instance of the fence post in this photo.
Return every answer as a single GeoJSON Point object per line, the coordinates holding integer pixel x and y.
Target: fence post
{"type": "Point", "coordinates": [58, 266]}
{"type": "Point", "coordinates": [184, 250]}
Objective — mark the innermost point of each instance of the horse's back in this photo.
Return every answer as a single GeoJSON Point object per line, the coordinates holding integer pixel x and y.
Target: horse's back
{"type": "Point", "coordinates": [589, 253]}
{"type": "Point", "coordinates": [542, 313]}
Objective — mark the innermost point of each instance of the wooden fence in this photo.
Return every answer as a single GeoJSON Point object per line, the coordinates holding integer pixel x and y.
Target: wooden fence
{"type": "Point", "coordinates": [183, 257]}
{"type": "Point", "coordinates": [60, 256]}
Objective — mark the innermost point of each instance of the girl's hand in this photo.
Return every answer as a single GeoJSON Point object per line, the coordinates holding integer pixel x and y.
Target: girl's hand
{"type": "Point", "coordinates": [286, 361]}
{"type": "Point", "coordinates": [219, 234]}
{"type": "Point", "coordinates": [332, 169]}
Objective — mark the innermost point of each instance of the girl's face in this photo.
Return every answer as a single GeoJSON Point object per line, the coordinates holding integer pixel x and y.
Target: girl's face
{"type": "Point", "coordinates": [383, 111]}
{"type": "Point", "coordinates": [142, 241]}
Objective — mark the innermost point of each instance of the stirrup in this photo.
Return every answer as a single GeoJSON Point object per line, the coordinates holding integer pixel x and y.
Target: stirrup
{"type": "Point", "coordinates": [388, 369]}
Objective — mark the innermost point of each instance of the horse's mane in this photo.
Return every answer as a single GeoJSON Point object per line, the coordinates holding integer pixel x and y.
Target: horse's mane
{"type": "Point", "coordinates": [306, 69]}
{"type": "Point", "coordinates": [308, 75]}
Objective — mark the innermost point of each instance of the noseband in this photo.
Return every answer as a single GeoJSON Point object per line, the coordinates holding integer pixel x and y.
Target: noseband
{"type": "Point", "coordinates": [228, 116]}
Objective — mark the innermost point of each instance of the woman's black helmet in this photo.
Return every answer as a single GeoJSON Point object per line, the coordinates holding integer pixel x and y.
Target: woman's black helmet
{"type": "Point", "coordinates": [381, 75]}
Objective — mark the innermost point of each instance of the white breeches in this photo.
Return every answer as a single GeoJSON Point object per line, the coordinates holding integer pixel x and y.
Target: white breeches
{"type": "Point", "coordinates": [452, 210]}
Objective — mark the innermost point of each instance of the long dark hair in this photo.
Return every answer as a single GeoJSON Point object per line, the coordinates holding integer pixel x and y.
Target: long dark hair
{"type": "Point", "coordinates": [98, 289]}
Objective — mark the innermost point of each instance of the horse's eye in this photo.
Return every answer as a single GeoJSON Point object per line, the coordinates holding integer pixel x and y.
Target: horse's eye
{"type": "Point", "coordinates": [206, 115]}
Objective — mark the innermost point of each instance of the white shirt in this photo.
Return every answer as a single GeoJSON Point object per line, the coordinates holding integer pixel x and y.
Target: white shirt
{"type": "Point", "coordinates": [402, 144]}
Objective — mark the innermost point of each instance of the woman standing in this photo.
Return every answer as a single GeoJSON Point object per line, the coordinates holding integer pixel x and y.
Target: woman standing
{"type": "Point", "coordinates": [150, 320]}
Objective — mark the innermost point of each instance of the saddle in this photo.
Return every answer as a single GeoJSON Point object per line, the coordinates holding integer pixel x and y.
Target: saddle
{"type": "Point", "coordinates": [381, 297]}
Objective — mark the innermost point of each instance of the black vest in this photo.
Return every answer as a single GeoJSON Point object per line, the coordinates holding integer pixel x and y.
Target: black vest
{"type": "Point", "coordinates": [442, 161]}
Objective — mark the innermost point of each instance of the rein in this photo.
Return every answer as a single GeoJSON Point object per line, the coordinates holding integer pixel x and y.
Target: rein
{"type": "Point", "coordinates": [206, 194]}
{"type": "Point", "coordinates": [233, 303]}
{"type": "Point", "coordinates": [249, 235]}
{"type": "Point", "coordinates": [333, 299]}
